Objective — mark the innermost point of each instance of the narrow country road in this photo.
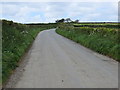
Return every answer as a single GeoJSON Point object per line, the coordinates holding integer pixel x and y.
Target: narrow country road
{"type": "Point", "coordinates": [56, 62]}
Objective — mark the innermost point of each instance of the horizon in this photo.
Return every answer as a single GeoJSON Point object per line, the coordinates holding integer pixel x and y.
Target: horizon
{"type": "Point", "coordinates": [63, 22]}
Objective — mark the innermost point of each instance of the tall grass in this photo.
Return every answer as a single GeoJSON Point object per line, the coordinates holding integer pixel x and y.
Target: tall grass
{"type": "Point", "coordinates": [101, 40]}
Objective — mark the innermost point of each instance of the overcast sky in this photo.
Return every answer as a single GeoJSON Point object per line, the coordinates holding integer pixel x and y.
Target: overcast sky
{"type": "Point", "coordinates": [35, 12]}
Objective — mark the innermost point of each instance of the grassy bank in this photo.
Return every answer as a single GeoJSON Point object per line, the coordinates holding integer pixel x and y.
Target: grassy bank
{"type": "Point", "coordinates": [16, 38]}
{"type": "Point", "coordinates": [102, 40]}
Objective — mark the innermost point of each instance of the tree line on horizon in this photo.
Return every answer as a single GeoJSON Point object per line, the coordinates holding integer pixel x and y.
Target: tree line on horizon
{"type": "Point", "coordinates": [67, 20]}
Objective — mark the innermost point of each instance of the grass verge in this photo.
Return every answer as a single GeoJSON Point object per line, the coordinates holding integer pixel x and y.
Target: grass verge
{"type": "Point", "coordinates": [16, 38]}
{"type": "Point", "coordinates": [101, 40]}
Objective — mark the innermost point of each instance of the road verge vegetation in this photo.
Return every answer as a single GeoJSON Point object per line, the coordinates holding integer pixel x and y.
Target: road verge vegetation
{"type": "Point", "coordinates": [16, 38]}
{"type": "Point", "coordinates": [100, 39]}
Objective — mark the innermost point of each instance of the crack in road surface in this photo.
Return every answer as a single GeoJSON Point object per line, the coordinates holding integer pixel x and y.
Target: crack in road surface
{"type": "Point", "coordinates": [56, 62]}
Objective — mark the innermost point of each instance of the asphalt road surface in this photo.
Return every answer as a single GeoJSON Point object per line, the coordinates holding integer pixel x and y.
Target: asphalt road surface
{"type": "Point", "coordinates": [56, 62]}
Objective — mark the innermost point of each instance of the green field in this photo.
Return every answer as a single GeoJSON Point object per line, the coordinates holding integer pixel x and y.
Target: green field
{"type": "Point", "coordinates": [102, 38]}
{"type": "Point", "coordinates": [16, 39]}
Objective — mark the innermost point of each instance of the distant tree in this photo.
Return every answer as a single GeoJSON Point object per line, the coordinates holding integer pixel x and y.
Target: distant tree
{"type": "Point", "coordinates": [68, 20]}
{"type": "Point", "coordinates": [60, 21]}
{"type": "Point", "coordinates": [76, 21]}
{"type": "Point", "coordinates": [56, 21]}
